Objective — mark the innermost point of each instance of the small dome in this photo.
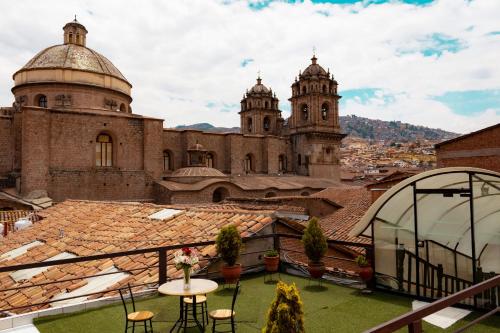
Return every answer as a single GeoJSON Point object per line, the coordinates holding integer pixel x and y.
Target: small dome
{"type": "Point", "coordinates": [197, 147]}
{"type": "Point", "coordinates": [73, 56]}
{"type": "Point", "coordinates": [314, 69]}
{"type": "Point", "coordinates": [259, 88]}
{"type": "Point", "coordinates": [197, 172]}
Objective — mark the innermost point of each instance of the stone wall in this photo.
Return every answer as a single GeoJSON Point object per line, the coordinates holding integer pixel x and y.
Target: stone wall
{"type": "Point", "coordinates": [6, 143]}
{"type": "Point", "coordinates": [59, 155]}
{"type": "Point", "coordinates": [480, 149]}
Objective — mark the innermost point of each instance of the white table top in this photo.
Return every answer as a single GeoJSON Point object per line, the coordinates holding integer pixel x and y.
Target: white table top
{"type": "Point", "coordinates": [198, 287]}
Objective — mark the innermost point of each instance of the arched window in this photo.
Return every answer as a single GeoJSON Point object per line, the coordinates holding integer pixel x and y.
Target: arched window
{"type": "Point", "coordinates": [267, 123]}
{"type": "Point", "coordinates": [304, 194]}
{"type": "Point", "coordinates": [167, 161]}
{"type": "Point", "coordinates": [210, 160]}
{"type": "Point", "coordinates": [270, 195]}
{"type": "Point", "coordinates": [305, 112]}
{"type": "Point", "coordinates": [78, 38]}
{"type": "Point", "coordinates": [104, 151]}
{"type": "Point", "coordinates": [123, 108]}
{"type": "Point", "coordinates": [324, 89]}
{"type": "Point", "coordinates": [282, 163]}
{"type": "Point", "coordinates": [266, 105]}
{"type": "Point", "coordinates": [249, 124]}
{"type": "Point", "coordinates": [70, 39]}
{"type": "Point", "coordinates": [220, 194]}
{"type": "Point", "coordinates": [42, 101]}
{"type": "Point", "coordinates": [249, 105]}
{"type": "Point", "coordinates": [304, 89]}
{"type": "Point", "coordinates": [324, 111]}
{"type": "Point", "coordinates": [299, 160]}
{"type": "Point", "coordinates": [248, 166]}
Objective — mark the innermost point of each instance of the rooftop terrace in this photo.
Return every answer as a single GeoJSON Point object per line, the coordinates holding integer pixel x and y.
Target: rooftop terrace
{"type": "Point", "coordinates": [327, 308]}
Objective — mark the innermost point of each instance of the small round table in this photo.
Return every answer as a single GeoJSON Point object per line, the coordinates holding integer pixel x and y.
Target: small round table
{"type": "Point", "coordinates": [198, 287]}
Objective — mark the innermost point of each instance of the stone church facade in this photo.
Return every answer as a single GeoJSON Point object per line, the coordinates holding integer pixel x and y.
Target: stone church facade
{"type": "Point", "coordinates": [71, 133]}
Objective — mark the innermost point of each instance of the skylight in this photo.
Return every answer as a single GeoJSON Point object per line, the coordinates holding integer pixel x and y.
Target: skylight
{"type": "Point", "coordinates": [164, 214]}
{"type": "Point", "coordinates": [94, 285]}
{"type": "Point", "coordinates": [26, 274]}
{"type": "Point", "coordinates": [19, 251]}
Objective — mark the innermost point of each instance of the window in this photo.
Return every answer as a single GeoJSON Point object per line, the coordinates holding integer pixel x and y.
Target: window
{"type": "Point", "coordinates": [210, 160]}
{"type": "Point", "coordinates": [305, 112]}
{"type": "Point", "coordinates": [304, 89]}
{"type": "Point", "coordinates": [78, 38]}
{"type": "Point", "coordinates": [42, 101]}
{"type": "Point", "coordinates": [324, 89]}
{"type": "Point", "coordinates": [104, 151]}
{"type": "Point", "coordinates": [324, 111]}
{"type": "Point", "coordinates": [282, 163]}
{"type": "Point", "coordinates": [249, 124]}
{"type": "Point", "coordinates": [299, 160]}
{"type": "Point", "coordinates": [167, 161]}
{"type": "Point", "coordinates": [267, 123]}
{"type": "Point", "coordinates": [267, 105]}
{"type": "Point", "coordinates": [123, 108]}
{"type": "Point", "coordinates": [220, 194]}
{"type": "Point", "coordinates": [248, 166]}
{"type": "Point", "coordinates": [70, 40]}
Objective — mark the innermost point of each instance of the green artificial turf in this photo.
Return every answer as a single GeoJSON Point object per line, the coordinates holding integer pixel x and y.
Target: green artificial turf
{"type": "Point", "coordinates": [330, 308]}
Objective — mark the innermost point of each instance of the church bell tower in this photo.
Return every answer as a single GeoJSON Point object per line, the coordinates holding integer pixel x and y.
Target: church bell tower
{"type": "Point", "coordinates": [314, 123]}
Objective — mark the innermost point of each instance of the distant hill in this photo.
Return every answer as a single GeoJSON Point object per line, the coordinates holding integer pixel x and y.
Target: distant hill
{"type": "Point", "coordinates": [390, 130]}
{"type": "Point", "coordinates": [360, 127]}
{"type": "Point", "coordinates": [209, 128]}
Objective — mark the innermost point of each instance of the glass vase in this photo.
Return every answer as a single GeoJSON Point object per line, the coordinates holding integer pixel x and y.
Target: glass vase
{"type": "Point", "coordinates": [187, 277]}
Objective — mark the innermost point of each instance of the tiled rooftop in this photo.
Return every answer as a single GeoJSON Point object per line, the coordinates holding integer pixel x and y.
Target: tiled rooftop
{"type": "Point", "coordinates": [86, 228]}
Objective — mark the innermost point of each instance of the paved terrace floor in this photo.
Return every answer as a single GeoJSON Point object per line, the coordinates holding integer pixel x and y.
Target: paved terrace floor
{"type": "Point", "coordinates": [330, 308]}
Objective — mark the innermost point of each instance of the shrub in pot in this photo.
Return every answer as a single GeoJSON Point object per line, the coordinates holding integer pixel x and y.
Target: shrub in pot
{"type": "Point", "coordinates": [228, 244]}
{"type": "Point", "coordinates": [366, 271]}
{"type": "Point", "coordinates": [315, 246]}
{"type": "Point", "coordinates": [272, 260]}
{"type": "Point", "coordinates": [285, 313]}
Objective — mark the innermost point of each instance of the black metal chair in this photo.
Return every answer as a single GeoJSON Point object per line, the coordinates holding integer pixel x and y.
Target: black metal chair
{"type": "Point", "coordinates": [135, 316]}
{"type": "Point", "coordinates": [225, 314]}
{"type": "Point", "coordinates": [200, 300]}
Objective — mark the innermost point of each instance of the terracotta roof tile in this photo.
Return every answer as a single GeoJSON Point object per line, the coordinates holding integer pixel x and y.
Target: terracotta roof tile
{"type": "Point", "coordinates": [89, 228]}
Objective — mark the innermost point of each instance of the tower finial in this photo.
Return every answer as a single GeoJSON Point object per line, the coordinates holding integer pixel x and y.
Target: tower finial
{"type": "Point", "coordinates": [258, 77]}
{"type": "Point", "coordinates": [75, 19]}
{"type": "Point", "coordinates": [313, 59]}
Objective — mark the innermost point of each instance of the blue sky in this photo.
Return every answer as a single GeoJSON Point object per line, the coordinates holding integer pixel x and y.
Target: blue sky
{"type": "Point", "coordinates": [431, 63]}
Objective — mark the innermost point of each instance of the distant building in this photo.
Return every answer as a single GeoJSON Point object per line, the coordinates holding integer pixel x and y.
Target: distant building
{"type": "Point", "coordinates": [71, 133]}
{"type": "Point", "coordinates": [480, 149]}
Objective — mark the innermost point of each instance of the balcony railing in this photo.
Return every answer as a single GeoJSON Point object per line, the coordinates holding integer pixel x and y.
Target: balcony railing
{"type": "Point", "coordinates": [164, 255]}
{"type": "Point", "coordinates": [413, 320]}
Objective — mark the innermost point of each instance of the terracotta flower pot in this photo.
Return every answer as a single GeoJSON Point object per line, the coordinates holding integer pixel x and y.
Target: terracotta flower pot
{"type": "Point", "coordinates": [366, 273]}
{"type": "Point", "coordinates": [272, 263]}
{"type": "Point", "coordinates": [231, 274]}
{"type": "Point", "coordinates": [316, 269]}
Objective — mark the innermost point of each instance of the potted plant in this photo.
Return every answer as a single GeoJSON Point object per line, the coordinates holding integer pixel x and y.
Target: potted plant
{"type": "Point", "coordinates": [315, 246]}
{"type": "Point", "coordinates": [285, 313]}
{"type": "Point", "coordinates": [272, 260]}
{"type": "Point", "coordinates": [366, 271]}
{"type": "Point", "coordinates": [228, 244]}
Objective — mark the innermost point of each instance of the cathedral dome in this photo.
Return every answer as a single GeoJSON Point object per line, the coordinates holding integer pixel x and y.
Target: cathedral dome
{"type": "Point", "coordinates": [73, 56]}
{"type": "Point", "coordinates": [72, 63]}
{"type": "Point", "coordinates": [259, 88]}
{"type": "Point", "coordinates": [314, 69]}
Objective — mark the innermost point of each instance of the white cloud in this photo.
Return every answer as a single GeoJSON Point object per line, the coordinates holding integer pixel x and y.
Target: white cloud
{"type": "Point", "coordinates": [181, 55]}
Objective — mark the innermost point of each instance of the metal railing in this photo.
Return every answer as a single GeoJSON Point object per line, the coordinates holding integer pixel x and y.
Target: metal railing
{"type": "Point", "coordinates": [413, 320]}
{"type": "Point", "coordinates": [162, 263]}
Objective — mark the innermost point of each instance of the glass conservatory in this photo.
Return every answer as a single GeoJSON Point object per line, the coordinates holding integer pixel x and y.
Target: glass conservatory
{"type": "Point", "coordinates": [437, 232]}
